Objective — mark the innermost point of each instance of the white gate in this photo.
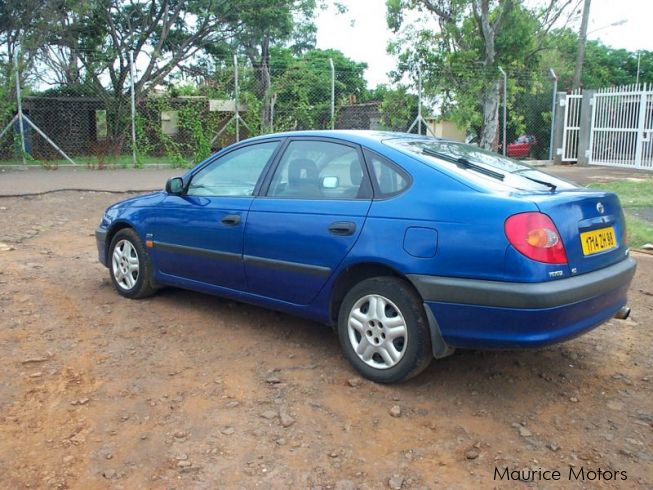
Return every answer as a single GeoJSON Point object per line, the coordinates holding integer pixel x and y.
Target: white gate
{"type": "Point", "coordinates": [622, 127]}
{"type": "Point", "coordinates": [572, 104]}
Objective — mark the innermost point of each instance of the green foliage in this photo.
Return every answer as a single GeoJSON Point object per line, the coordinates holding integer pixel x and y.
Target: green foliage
{"type": "Point", "coordinates": [198, 131]}
{"type": "Point", "coordinates": [460, 61]}
{"type": "Point", "coordinates": [603, 66]}
{"type": "Point", "coordinates": [143, 144]}
{"type": "Point", "coordinates": [72, 90]}
{"type": "Point", "coordinates": [398, 107]}
{"type": "Point", "coordinates": [302, 85]}
{"type": "Point", "coordinates": [457, 69]}
{"type": "Point", "coordinates": [632, 193]}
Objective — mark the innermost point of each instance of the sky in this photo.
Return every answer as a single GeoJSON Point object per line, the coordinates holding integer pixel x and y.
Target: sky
{"type": "Point", "coordinates": [362, 33]}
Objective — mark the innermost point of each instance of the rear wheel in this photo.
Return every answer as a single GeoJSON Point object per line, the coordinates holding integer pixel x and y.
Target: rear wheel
{"type": "Point", "coordinates": [129, 265]}
{"type": "Point", "coordinates": [383, 330]}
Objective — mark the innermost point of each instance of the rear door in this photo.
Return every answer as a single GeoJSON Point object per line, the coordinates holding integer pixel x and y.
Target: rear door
{"type": "Point", "coordinates": [312, 213]}
{"type": "Point", "coordinates": [198, 236]}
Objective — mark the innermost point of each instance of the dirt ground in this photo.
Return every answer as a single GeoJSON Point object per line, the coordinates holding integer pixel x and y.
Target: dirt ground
{"type": "Point", "coordinates": [184, 390]}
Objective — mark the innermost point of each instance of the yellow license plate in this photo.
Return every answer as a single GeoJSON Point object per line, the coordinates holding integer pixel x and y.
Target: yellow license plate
{"type": "Point", "coordinates": [598, 240]}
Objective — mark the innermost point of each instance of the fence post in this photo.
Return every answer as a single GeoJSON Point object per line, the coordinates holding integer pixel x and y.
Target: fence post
{"type": "Point", "coordinates": [505, 102]}
{"type": "Point", "coordinates": [419, 100]}
{"type": "Point", "coordinates": [333, 94]}
{"type": "Point", "coordinates": [585, 123]}
{"type": "Point", "coordinates": [20, 108]}
{"type": "Point", "coordinates": [273, 101]}
{"type": "Point", "coordinates": [553, 111]}
{"type": "Point", "coordinates": [236, 98]}
{"type": "Point", "coordinates": [559, 128]}
{"type": "Point", "coordinates": [133, 104]}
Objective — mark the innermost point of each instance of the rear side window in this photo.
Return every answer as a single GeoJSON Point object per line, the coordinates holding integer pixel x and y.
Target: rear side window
{"type": "Point", "coordinates": [390, 180]}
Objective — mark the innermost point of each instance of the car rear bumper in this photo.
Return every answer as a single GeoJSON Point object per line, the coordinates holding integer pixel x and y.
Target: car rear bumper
{"type": "Point", "coordinates": [491, 314]}
{"type": "Point", "coordinates": [101, 241]}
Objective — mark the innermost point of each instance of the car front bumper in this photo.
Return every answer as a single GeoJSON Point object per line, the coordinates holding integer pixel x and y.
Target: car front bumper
{"type": "Point", "coordinates": [481, 314]}
{"type": "Point", "coordinates": [101, 241]}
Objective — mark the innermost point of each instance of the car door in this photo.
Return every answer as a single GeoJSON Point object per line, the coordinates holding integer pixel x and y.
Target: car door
{"type": "Point", "coordinates": [198, 235]}
{"type": "Point", "coordinates": [312, 211]}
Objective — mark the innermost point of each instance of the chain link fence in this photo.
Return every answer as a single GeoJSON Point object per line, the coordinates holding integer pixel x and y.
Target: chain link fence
{"type": "Point", "coordinates": [191, 115]}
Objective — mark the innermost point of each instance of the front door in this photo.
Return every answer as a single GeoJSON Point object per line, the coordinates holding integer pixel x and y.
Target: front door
{"type": "Point", "coordinates": [311, 215]}
{"type": "Point", "coordinates": [198, 236]}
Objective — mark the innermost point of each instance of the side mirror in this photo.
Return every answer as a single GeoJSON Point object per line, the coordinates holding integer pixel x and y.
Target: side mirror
{"type": "Point", "coordinates": [175, 186]}
{"type": "Point", "coordinates": [330, 182]}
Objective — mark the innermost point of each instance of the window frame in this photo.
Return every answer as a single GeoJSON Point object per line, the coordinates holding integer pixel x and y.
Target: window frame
{"type": "Point", "coordinates": [213, 159]}
{"type": "Point", "coordinates": [265, 187]}
{"type": "Point", "coordinates": [382, 196]}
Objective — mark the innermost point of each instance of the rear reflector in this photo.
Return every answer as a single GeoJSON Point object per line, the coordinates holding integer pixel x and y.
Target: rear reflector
{"type": "Point", "coordinates": [535, 236]}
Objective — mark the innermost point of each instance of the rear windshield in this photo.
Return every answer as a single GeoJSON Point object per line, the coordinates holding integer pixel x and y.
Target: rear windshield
{"type": "Point", "coordinates": [483, 167]}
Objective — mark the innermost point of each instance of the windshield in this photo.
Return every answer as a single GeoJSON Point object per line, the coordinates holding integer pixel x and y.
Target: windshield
{"type": "Point", "coordinates": [484, 167]}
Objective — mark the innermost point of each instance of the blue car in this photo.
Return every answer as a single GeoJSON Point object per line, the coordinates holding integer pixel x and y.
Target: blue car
{"type": "Point", "coordinates": [410, 247]}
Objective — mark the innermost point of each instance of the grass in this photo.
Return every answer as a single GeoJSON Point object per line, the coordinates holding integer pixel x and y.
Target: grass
{"type": "Point", "coordinates": [124, 161]}
{"type": "Point", "coordinates": [632, 193]}
{"type": "Point", "coordinates": [636, 193]}
{"type": "Point", "coordinates": [640, 232]}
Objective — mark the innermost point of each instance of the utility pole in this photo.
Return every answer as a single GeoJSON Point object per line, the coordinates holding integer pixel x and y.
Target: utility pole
{"type": "Point", "coordinates": [582, 38]}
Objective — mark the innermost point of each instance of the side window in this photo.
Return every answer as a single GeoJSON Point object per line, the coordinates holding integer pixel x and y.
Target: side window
{"type": "Point", "coordinates": [234, 174]}
{"type": "Point", "coordinates": [389, 179]}
{"type": "Point", "coordinates": [320, 170]}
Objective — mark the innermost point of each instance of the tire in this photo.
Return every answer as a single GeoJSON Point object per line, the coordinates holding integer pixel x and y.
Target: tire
{"type": "Point", "coordinates": [370, 320]}
{"type": "Point", "coordinates": [129, 265]}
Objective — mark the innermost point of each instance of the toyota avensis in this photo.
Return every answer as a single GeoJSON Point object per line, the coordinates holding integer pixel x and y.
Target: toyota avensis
{"type": "Point", "coordinates": [409, 246]}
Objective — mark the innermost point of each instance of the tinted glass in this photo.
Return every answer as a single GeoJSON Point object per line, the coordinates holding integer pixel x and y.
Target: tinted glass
{"type": "Point", "coordinates": [319, 170]}
{"type": "Point", "coordinates": [389, 178]}
{"type": "Point", "coordinates": [234, 174]}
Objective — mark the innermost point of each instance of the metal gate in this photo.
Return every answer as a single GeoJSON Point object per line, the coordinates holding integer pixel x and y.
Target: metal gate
{"type": "Point", "coordinates": [621, 133]}
{"type": "Point", "coordinates": [572, 104]}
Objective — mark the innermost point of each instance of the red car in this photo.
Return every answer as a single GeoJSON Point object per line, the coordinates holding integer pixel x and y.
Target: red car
{"type": "Point", "coordinates": [522, 146]}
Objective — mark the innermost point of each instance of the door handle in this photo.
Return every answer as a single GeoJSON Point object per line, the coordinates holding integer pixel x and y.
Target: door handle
{"type": "Point", "coordinates": [231, 219]}
{"type": "Point", "coordinates": [342, 228]}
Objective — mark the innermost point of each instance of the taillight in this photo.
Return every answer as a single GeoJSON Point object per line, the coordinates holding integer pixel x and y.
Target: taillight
{"type": "Point", "coordinates": [535, 235]}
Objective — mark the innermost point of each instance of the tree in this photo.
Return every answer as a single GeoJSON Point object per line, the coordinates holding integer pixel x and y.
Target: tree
{"type": "Point", "coordinates": [302, 85]}
{"type": "Point", "coordinates": [460, 61]}
{"type": "Point", "coordinates": [582, 38]}
{"type": "Point", "coordinates": [602, 66]}
{"type": "Point", "coordinates": [398, 107]}
{"type": "Point", "coordinates": [277, 22]}
{"type": "Point", "coordinates": [162, 35]}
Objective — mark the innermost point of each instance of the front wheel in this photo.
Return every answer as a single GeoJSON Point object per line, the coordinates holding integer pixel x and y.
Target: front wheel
{"type": "Point", "coordinates": [129, 265]}
{"type": "Point", "coordinates": [383, 330]}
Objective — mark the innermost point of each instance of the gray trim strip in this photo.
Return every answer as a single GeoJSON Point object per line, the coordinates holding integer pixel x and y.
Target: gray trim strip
{"type": "Point", "coordinates": [282, 265]}
{"type": "Point", "coordinates": [525, 295]}
{"type": "Point", "coordinates": [200, 252]}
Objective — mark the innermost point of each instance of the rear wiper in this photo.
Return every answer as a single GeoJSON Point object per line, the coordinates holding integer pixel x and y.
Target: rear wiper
{"type": "Point", "coordinates": [464, 163]}
{"type": "Point", "coordinates": [551, 186]}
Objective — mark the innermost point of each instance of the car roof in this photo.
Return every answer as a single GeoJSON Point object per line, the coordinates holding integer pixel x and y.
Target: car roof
{"type": "Point", "coordinates": [360, 136]}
